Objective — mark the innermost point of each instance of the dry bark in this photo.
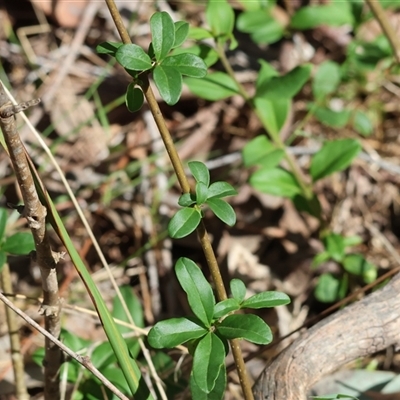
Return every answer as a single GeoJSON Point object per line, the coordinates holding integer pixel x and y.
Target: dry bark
{"type": "Point", "coordinates": [361, 329]}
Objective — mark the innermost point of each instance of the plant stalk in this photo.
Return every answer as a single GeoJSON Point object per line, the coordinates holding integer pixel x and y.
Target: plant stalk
{"type": "Point", "coordinates": [35, 213]}
{"type": "Point", "coordinates": [185, 186]}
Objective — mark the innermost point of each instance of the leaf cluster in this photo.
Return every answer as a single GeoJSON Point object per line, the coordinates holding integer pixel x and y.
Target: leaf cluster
{"type": "Point", "coordinates": [186, 220]}
{"type": "Point", "coordinates": [213, 324]}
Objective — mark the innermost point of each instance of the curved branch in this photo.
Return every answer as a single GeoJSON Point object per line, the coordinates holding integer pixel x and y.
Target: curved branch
{"type": "Point", "coordinates": [361, 329]}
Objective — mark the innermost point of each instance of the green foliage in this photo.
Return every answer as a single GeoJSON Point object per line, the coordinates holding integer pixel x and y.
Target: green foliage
{"type": "Point", "coordinates": [334, 396]}
{"type": "Point", "coordinates": [167, 69]}
{"type": "Point", "coordinates": [331, 288]}
{"type": "Point", "coordinates": [186, 220]}
{"type": "Point", "coordinates": [213, 323]}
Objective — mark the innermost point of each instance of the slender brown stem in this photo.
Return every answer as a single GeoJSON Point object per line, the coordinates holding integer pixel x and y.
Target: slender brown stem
{"type": "Point", "coordinates": [15, 345]}
{"type": "Point", "coordinates": [386, 26]}
{"type": "Point", "coordinates": [185, 186]}
{"type": "Point", "coordinates": [35, 213]}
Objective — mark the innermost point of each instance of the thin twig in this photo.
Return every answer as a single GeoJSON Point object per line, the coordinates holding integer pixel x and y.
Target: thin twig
{"type": "Point", "coordinates": [386, 26]}
{"type": "Point", "coordinates": [15, 344]}
{"type": "Point", "coordinates": [35, 213]}
{"type": "Point", "coordinates": [85, 361]}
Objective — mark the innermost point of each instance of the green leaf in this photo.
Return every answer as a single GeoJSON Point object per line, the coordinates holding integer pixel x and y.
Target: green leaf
{"type": "Point", "coordinates": [309, 205]}
{"type": "Point", "coordinates": [333, 156]}
{"type": "Point", "coordinates": [205, 52]}
{"type": "Point", "coordinates": [262, 26]}
{"type": "Point", "coordinates": [186, 200]}
{"type": "Point", "coordinates": [320, 258]}
{"type": "Point", "coordinates": [134, 307]}
{"type": "Point", "coordinates": [174, 331]}
{"type": "Point", "coordinates": [216, 394]}
{"type": "Point", "coordinates": [245, 326]}
{"type": "Point", "coordinates": [352, 240]}
{"type": "Point", "coordinates": [273, 112]}
{"type": "Point", "coordinates": [200, 172]}
{"type": "Point", "coordinates": [20, 243]}
{"type": "Point", "coordinates": [208, 359]}
{"type": "Point", "coordinates": [265, 74]}
{"type": "Point", "coordinates": [108, 48]}
{"type": "Point", "coordinates": [238, 289]}
{"type": "Point", "coordinates": [187, 64]}
{"type": "Point", "coordinates": [201, 193]}
{"type": "Point", "coordinates": [334, 396]}
{"type": "Point", "coordinates": [197, 33]}
{"type": "Point", "coordinates": [258, 151]}
{"type": "Point", "coordinates": [103, 355]}
{"type": "Point", "coordinates": [169, 83]}
{"type": "Point", "coordinates": [225, 307]}
{"type": "Point", "coordinates": [134, 98]}
{"type": "Point", "coordinates": [334, 119]}
{"type": "Point", "coordinates": [200, 295]}
{"type": "Point", "coordinates": [3, 222]}
{"type": "Point", "coordinates": [356, 264]}
{"type": "Point", "coordinates": [287, 85]}
{"type": "Point", "coordinates": [184, 222]}
{"type": "Point", "coordinates": [215, 86]}
{"type": "Point", "coordinates": [3, 259]}
{"type": "Point", "coordinates": [329, 288]}
{"type": "Point", "coordinates": [326, 79]}
{"type": "Point", "coordinates": [335, 14]}
{"type": "Point", "coordinates": [276, 181]}
{"type": "Point", "coordinates": [266, 300]}
{"type": "Point", "coordinates": [220, 17]}
{"type": "Point", "coordinates": [163, 34]}
{"type": "Point", "coordinates": [222, 210]}
{"type": "Point", "coordinates": [362, 123]}
{"type": "Point", "coordinates": [181, 32]}
{"type": "Point", "coordinates": [335, 246]}
{"type": "Point", "coordinates": [133, 57]}
{"type": "Point", "coordinates": [220, 189]}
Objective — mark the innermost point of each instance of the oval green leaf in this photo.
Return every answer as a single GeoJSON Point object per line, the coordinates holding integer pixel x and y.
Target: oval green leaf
{"type": "Point", "coordinates": [356, 264]}
{"type": "Point", "coordinates": [329, 117]}
{"type": "Point", "coordinates": [362, 123]}
{"type": "Point", "coordinates": [181, 32]}
{"type": "Point", "coordinates": [225, 307]}
{"type": "Point", "coordinates": [200, 295]}
{"type": "Point", "coordinates": [266, 300]}
{"type": "Point", "coordinates": [217, 393]}
{"type": "Point", "coordinates": [329, 288]}
{"type": "Point", "coordinates": [173, 332]}
{"type": "Point", "coordinates": [216, 86]}
{"type": "Point", "coordinates": [286, 86]}
{"type": "Point", "coordinates": [133, 57]}
{"type": "Point", "coordinates": [186, 200]}
{"type": "Point", "coordinates": [335, 14]}
{"type": "Point", "coordinates": [221, 189]}
{"type": "Point", "coordinates": [169, 83]}
{"type": "Point", "coordinates": [220, 17]}
{"type": "Point", "coordinates": [238, 289]}
{"type": "Point", "coordinates": [208, 359]}
{"type": "Point", "coordinates": [200, 172]}
{"type": "Point", "coordinates": [20, 243]}
{"type": "Point", "coordinates": [333, 156]}
{"type": "Point", "coordinates": [205, 52]}
{"type": "Point", "coordinates": [187, 64]}
{"type": "Point", "coordinates": [134, 98]}
{"type": "Point", "coordinates": [222, 210]}
{"type": "Point", "coordinates": [201, 193]}
{"type": "Point", "coordinates": [276, 181]}
{"type": "Point", "coordinates": [184, 222]}
{"type": "Point", "coordinates": [335, 246]}
{"type": "Point", "coordinates": [245, 326]}
{"type": "Point", "coordinates": [326, 80]}
{"type": "Point", "coordinates": [273, 112]}
{"type": "Point", "coordinates": [108, 48]}
{"type": "Point", "coordinates": [163, 34]}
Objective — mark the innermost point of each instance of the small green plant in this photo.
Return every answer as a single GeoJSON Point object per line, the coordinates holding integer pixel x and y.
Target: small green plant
{"type": "Point", "coordinates": [213, 324]}
{"type": "Point", "coordinates": [331, 288]}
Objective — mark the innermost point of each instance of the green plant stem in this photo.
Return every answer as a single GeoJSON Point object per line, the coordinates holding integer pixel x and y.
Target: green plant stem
{"type": "Point", "coordinates": [386, 26]}
{"type": "Point", "coordinates": [307, 192]}
{"type": "Point", "coordinates": [185, 186]}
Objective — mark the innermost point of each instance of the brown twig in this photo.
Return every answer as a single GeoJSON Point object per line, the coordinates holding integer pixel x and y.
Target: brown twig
{"type": "Point", "coordinates": [386, 26]}
{"type": "Point", "coordinates": [185, 186]}
{"type": "Point", "coordinates": [15, 344]}
{"type": "Point", "coordinates": [35, 213]}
